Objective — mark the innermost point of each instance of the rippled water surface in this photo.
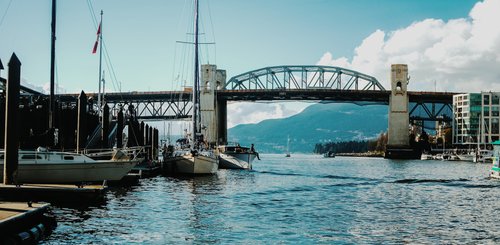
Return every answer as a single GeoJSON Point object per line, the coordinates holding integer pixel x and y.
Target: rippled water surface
{"type": "Point", "coordinates": [302, 199]}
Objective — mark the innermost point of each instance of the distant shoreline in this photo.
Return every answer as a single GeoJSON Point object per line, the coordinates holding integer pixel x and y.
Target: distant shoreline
{"type": "Point", "coordinates": [364, 154]}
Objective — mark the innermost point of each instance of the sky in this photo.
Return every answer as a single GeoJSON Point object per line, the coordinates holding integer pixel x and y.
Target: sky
{"type": "Point", "coordinates": [449, 45]}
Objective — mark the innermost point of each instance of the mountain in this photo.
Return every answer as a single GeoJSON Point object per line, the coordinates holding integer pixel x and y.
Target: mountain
{"type": "Point", "coordinates": [316, 124]}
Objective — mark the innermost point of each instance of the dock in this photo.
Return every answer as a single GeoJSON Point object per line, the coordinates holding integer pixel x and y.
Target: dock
{"type": "Point", "coordinates": [24, 223]}
{"type": "Point", "coordinates": [54, 193]}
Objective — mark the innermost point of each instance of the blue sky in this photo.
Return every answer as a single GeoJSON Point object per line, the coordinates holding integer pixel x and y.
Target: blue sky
{"type": "Point", "coordinates": [363, 35]}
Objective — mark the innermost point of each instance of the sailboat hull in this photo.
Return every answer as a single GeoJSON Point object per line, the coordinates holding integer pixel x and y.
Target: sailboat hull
{"type": "Point", "coordinates": [236, 161]}
{"type": "Point", "coordinates": [197, 164]}
{"type": "Point", "coordinates": [72, 173]}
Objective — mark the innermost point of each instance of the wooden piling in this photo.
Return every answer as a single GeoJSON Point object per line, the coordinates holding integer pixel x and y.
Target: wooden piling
{"type": "Point", "coordinates": [150, 142]}
{"type": "Point", "coordinates": [11, 121]}
{"type": "Point", "coordinates": [156, 143]}
{"type": "Point", "coordinates": [141, 130]}
{"type": "Point", "coordinates": [146, 141]}
{"type": "Point", "coordinates": [105, 127]}
{"type": "Point", "coordinates": [119, 132]}
{"type": "Point", "coordinates": [81, 128]}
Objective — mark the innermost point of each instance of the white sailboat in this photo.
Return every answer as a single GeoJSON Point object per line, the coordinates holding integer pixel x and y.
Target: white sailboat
{"type": "Point", "coordinates": [287, 154]}
{"type": "Point", "coordinates": [42, 166]}
{"type": "Point", "coordinates": [482, 155]}
{"type": "Point", "coordinates": [196, 159]}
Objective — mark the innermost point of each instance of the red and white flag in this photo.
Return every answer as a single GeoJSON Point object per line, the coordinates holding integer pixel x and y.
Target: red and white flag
{"type": "Point", "coordinates": [97, 41]}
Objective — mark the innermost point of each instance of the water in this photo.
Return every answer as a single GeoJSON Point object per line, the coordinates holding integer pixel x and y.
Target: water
{"type": "Point", "coordinates": [302, 199]}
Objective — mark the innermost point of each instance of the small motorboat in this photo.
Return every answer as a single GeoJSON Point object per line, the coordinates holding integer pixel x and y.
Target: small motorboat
{"type": "Point", "coordinates": [329, 154]}
{"type": "Point", "coordinates": [234, 156]}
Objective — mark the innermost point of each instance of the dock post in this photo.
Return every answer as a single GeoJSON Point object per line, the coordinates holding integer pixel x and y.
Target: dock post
{"type": "Point", "coordinates": [146, 141]}
{"type": "Point", "coordinates": [81, 126]}
{"type": "Point", "coordinates": [151, 140]}
{"type": "Point", "coordinates": [156, 143]}
{"type": "Point", "coordinates": [119, 131]}
{"type": "Point", "coordinates": [141, 132]}
{"type": "Point", "coordinates": [11, 121]}
{"type": "Point", "coordinates": [131, 133]}
{"type": "Point", "coordinates": [105, 126]}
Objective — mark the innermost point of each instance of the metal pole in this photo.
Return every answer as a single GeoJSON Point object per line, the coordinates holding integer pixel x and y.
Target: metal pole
{"type": "Point", "coordinates": [195, 82]}
{"type": "Point", "coordinates": [99, 102]}
{"type": "Point", "coordinates": [52, 66]}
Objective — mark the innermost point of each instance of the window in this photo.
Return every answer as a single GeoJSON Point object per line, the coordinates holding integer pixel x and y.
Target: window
{"type": "Point", "coordinates": [486, 99]}
{"type": "Point", "coordinates": [31, 157]}
{"type": "Point", "coordinates": [69, 158]}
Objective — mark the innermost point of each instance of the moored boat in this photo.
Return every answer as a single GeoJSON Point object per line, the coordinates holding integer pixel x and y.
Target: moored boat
{"type": "Point", "coordinates": [194, 156]}
{"type": "Point", "coordinates": [42, 166]}
{"type": "Point", "coordinates": [495, 168]}
{"type": "Point", "coordinates": [193, 162]}
{"type": "Point", "coordinates": [467, 157]}
{"type": "Point", "coordinates": [234, 156]}
{"type": "Point", "coordinates": [483, 156]}
{"type": "Point", "coordinates": [426, 156]}
{"type": "Point", "coordinates": [329, 154]}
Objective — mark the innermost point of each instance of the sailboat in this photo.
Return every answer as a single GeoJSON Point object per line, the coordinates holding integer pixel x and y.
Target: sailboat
{"type": "Point", "coordinates": [288, 147]}
{"type": "Point", "coordinates": [482, 155]}
{"type": "Point", "coordinates": [197, 158]}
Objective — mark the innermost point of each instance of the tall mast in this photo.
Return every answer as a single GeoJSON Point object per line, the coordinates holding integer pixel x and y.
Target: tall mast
{"type": "Point", "coordinates": [196, 71]}
{"type": "Point", "coordinates": [52, 101]}
{"type": "Point", "coordinates": [99, 103]}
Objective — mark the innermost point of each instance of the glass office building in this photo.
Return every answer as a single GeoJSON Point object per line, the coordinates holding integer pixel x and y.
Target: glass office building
{"type": "Point", "coordinates": [476, 118]}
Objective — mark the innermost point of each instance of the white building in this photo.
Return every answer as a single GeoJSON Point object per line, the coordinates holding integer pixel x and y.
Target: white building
{"type": "Point", "coordinates": [476, 118]}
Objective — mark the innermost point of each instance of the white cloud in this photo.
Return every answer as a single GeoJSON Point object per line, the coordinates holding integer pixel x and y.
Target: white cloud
{"type": "Point", "coordinates": [249, 112]}
{"type": "Point", "coordinates": [459, 54]}
{"type": "Point", "coordinates": [43, 89]}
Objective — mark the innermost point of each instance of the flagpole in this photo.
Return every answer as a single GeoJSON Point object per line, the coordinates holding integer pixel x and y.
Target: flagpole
{"type": "Point", "coordinates": [99, 103]}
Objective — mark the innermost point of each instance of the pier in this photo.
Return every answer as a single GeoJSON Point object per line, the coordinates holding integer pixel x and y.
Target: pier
{"type": "Point", "coordinates": [24, 223]}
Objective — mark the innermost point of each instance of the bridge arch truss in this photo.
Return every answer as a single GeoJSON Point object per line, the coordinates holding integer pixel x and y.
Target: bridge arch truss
{"type": "Point", "coordinates": [303, 77]}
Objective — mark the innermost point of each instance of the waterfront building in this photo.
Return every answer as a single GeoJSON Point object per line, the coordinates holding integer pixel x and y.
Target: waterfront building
{"type": "Point", "coordinates": [476, 118]}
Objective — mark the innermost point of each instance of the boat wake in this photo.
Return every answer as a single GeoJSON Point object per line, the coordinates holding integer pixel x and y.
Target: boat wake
{"type": "Point", "coordinates": [328, 176]}
{"type": "Point", "coordinates": [464, 183]}
{"type": "Point", "coordinates": [416, 181]}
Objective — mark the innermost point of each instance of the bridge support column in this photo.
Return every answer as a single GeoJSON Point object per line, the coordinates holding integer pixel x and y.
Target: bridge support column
{"type": "Point", "coordinates": [398, 145]}
{"type": "Point", "coordinates": [222, 121]}
{"type": "Point", "coordinates": [211, 79]}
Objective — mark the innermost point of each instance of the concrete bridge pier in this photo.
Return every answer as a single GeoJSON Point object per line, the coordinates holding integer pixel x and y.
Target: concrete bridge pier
{"type": "Point", "coordinates": [222, 121]}
{"type": "Point", "coordinates": [211, 121]}
{"type": "Point", "coordinates": [398, 145]}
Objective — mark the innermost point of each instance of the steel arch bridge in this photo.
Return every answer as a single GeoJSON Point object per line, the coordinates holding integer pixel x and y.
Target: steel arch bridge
{"type": "Point", "coordinates": [292, 83]}
{"type": "Point", "coordinates": [303, 77]}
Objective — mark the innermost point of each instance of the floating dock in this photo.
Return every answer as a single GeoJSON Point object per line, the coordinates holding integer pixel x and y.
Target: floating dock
{"type": "Point", "coordinates": [24, 223]}
{"type": "Point", "coordinates": [53, 193]}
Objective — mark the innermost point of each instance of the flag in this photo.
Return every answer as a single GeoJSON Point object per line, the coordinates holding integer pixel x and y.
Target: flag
{"type": "Point", "coordinates": [97, 41]}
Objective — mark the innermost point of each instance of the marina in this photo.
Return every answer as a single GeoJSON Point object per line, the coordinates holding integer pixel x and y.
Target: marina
{"type": "Point", "coordinates": [315, 166]}
{"type": "Point", "coordinates": [283, 201]}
